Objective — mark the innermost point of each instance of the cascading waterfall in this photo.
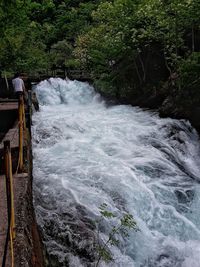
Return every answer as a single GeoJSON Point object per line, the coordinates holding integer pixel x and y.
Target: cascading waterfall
{"type": "Point", "coordinates": [87, 153]}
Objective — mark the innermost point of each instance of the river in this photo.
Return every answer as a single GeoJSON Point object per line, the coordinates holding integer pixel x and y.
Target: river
{"type": "Point", "coordinates": [87, 152]}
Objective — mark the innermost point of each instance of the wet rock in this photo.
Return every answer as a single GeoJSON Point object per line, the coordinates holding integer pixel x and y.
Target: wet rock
{"type": "Point", "coordinates": [194, 117]}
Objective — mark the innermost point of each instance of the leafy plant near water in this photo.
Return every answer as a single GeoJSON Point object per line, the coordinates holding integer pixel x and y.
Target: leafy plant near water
{"type": "Point", "coordinates": [126, 224]}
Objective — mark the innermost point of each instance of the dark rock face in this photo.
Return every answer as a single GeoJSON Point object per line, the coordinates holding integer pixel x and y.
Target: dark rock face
{"type": "Point", "coordinates": [195, 118]}
{"type": "Point", "coordinates": [152, 101]}
{"type": "Point", "coordinates": [67, 229]}
{"type": "Point", "coordinates": [169, 108]}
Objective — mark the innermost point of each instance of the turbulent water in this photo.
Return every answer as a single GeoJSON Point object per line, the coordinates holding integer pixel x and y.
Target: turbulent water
{"type": "Point", "coordinates": [87, 153]}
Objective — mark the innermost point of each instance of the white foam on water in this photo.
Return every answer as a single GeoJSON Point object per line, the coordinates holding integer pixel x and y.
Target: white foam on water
{"type": "Point", "coordinates": [86, 154]}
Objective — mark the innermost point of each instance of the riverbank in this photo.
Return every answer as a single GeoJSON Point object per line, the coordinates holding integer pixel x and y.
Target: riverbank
{"type": "Point", "coordinates": [166, 104]}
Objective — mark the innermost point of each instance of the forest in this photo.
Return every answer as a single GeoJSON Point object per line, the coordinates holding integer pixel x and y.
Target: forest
{"type": "Point", "coordinates": [144, 52]}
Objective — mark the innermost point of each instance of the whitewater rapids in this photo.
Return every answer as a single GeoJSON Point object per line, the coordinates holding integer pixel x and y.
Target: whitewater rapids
{"type": "Point", "coordinates": [87, 153]}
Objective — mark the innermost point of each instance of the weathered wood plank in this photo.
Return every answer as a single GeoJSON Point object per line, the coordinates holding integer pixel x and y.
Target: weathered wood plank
{"type": "Point", "coordinates": [11, 135]}
{"type": "Point", "coordinates": [8, 106]}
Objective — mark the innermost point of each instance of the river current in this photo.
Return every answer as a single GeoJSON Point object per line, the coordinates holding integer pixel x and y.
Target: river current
{"type": "Point", "coordinates": [87, 153]}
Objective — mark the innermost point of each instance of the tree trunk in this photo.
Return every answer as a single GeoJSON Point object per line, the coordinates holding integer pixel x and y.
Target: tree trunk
{"type": "Point", "coordinates": [193, 39]}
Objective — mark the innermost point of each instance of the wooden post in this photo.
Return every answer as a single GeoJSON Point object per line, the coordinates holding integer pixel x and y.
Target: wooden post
{"type": "Point", "coordinates": [6, 170]}
{"type": "Point", "coordinates": [29, 110]}
{"type": "Point", "coordinates": [20, 119]}
{"type": "Point", "coordinates": [29, 98]}
{"type": "Point", "coordinates": [9, 185]}
{"type": "Point", "coordinates": [7, 86]}
{"type": "Point", "coordinates": [10, 203]}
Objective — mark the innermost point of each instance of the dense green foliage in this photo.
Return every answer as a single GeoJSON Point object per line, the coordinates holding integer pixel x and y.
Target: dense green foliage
{"type": "Point", "coordinates": [40, 35]}
{"type": "Point", "coordinates": [142, 43]}
{"type": "Point", "coordinates": [130, 47]}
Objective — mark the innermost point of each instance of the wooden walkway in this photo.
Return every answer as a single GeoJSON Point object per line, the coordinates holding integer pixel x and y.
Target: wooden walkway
{"type": "Point", "coordinates": [20, 191]}
{"type": "Point", "coordinates": [3, 220]}
{"type": "Point", "coordinates": [27, 244]}
{"type": "Point", "coordinates": [19, 181]}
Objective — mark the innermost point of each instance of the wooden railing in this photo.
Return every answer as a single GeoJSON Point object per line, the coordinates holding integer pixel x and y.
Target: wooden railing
{"type": "Point", "coordinates": [10, 236]}
{"type": "Point", "coordinates": [8, 172]}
